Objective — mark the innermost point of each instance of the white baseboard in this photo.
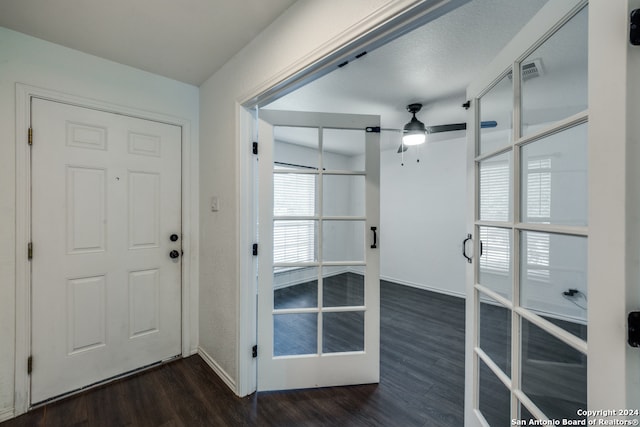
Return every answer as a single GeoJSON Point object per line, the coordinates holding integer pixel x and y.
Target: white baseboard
{"type": "Point", "coordinates": [6, 414]}
{"type": "Point", "coordinates": [424, 287]}
{"type": "Point", "coordinates": [226, 378]}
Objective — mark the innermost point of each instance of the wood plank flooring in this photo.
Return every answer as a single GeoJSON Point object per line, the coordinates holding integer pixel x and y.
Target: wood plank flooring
{"type": "Point", "coordinates": [422, 384]}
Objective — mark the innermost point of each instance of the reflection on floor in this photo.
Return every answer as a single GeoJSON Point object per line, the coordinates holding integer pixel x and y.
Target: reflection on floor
{"type": "Point", "coordinates": [553, 374]}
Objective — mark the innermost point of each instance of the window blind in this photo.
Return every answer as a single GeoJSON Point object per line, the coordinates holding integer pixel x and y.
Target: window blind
{"type": "Point", "coordinates": [494, 197]}
{"type": "Point", "coordinates": [539, 209]}
{"type": "Point", "coordinates": [294, 195]}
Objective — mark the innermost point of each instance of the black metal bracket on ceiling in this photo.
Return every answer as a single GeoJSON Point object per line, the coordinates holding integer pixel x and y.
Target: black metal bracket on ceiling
{"type": "Point", "coordinates": [466, 105]}
{"type": "Point", "coordinates": [634, 27]}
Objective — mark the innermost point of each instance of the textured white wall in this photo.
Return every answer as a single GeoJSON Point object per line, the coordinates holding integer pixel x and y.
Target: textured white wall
{"type": "Point", "coordinates": [302, 34]}
{"type": "Point", "coordinates": [35, 62]}
{"type": "Point", "coordinates": [422, 210]}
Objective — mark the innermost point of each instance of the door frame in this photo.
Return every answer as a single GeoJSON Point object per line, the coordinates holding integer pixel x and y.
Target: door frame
{"type": "Point", "coordinates": [612, 231]}
{"type": "Point", "coordinates": [390, 21]}
{"type": "Point", "coordinates": [189, 275]}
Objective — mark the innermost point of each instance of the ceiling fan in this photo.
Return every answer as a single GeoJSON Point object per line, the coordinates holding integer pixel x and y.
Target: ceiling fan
{"type": "Point", "coordinates": [415, 131]}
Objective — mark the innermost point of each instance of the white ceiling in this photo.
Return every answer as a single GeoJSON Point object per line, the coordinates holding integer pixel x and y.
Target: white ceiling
{"type": "Point", "coordinates": [186, 40]}
{"type": "Point", "coordinates": [432, 65]}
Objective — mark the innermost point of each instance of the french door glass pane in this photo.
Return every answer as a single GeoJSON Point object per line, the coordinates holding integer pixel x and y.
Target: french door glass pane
{"type": "Point", "coordinates": [495, 188]}
{"type": "Point", "coordinates": [554, 77]}
{"type": "Point", "coordinates": [343, 331]}
{"type": "Point", "coordinates": [342, 286]}
{"type": "Point", "coordinates": [296, 147]}
{"type": "Point", "coordinates": [294, 194]}
{"type": "Point", "coordinates": [343, 149]}
{"type": "Point", "coordinates": [495, 398]}
{"type": "Point", "coordinates": [526, 415]}
{"type": "Point", "coordinates": [295, 287]}
{"type": "Point", "coordinates": [497, 106]}
{"type": "Point", "coordinates": [553, 279]}
{"type": "Point", "coordinates": [554, 375]}
{"type": "Point", "coordinates": [295, 334]}
{"type": "Point", "coordinates": [343, 195]}
{"type": "Point", "coordinates": [554, 179]}
{"type": "Point", "coordinates": [495, 271]}
{"type": "Point", "coordinates": [343, 241]}
{"type": "Point", "coordinates": [294, 241]}
{"type": "Point", "coordinates": [495, 332]}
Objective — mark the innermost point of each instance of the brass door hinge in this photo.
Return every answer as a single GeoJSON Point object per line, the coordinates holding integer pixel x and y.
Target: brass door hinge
{"type": "Point", "coordinates": [30, 251]}
{"type": "Point", "coordinates": [30, 139]}
{"type": "Point", "coordinates": [29, 364]}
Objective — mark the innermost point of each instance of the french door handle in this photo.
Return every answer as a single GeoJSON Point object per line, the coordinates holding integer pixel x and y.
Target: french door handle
{"type": "Point", "coordinates": [464, 248]}
{"type": "Point", "coordinates": [375, 237]}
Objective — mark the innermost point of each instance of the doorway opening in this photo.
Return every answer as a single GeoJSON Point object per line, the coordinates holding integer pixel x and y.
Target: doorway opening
{"type": "Point", "coordinates": [423, 190]}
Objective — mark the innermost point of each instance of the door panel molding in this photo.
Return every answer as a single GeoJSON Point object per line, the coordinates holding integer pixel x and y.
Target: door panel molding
{"type": "Point", "coordinates": [24, 94]}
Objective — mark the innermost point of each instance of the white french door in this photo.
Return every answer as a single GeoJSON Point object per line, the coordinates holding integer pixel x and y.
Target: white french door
{"type": "Point", "coordinates": [318, 262]}
{"type": "Point", "coordinates": [527, 306]}
{"type": "Point", "coordinates": [106, 230]}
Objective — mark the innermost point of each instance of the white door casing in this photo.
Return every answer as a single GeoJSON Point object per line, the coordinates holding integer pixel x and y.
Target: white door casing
{"type": "Point", "coordinates": [320, 367]}
{"type": "Point", "coordinates": [106, 197]}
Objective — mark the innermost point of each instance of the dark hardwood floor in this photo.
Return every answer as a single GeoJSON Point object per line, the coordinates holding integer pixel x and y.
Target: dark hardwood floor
{"type": "Point", "coordinates": [421, 372]}
{"type": "Point", "coordinates": [422, 383]}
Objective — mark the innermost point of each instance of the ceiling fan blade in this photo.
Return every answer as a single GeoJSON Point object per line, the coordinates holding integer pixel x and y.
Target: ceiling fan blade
{"type": "Point", "coordinates": [449, 128]}
{"type": "Point", "coordinates": [488, 124]}
{"type": "Point", "coordinates": [459, 126]}
{"type": "Point", "coordinates": [446, 128]}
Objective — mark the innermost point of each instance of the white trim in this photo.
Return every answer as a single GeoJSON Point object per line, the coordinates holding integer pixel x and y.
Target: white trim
{"type": "Point", "coordinates": [497, 371]}
{"type": "Point", "coordinates": [221, 373]}
{"type": "Point", "coordinates": [247, 264]}
{"type": "Point", "coordinates": [613, 275]}
{"type": "Point", "coordinates": [566, 337]}
{"type": "Point", "coordinates": [528, 403]}
{"type": "Point", "coordinates": [6, 414]}
{"type": "Point", "coordinates": [190, 226]}
{"type": "Point", "coordinates": [424, 287]}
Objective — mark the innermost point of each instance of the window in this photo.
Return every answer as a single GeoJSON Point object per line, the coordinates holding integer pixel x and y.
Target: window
{"type": "Point", "coordinates": [538, 199]}
{"type": "Point", "coordinates": [494, 205]}
{"type": "Point", "coordinates": [294, 195]}
{"type": "Point", "coordinates": [539, 190]}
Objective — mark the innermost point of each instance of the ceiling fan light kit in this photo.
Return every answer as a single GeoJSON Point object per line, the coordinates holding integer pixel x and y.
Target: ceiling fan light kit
{"type": "Point", "coordinates": [414, 132]}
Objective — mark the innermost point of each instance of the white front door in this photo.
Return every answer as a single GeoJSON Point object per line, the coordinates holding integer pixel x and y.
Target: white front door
{"type": "Point", "coordinates": [528, 288]}
{"type": "Point", "coordinates": [106, 231]}
{"type": "Point", "coordinates": [318, 303]}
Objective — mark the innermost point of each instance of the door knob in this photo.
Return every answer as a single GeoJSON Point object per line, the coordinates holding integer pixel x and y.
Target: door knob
{"type": "Point", "coordinates": [173, 237]}
{"type": "Point", "coordinates": [174, 254]}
